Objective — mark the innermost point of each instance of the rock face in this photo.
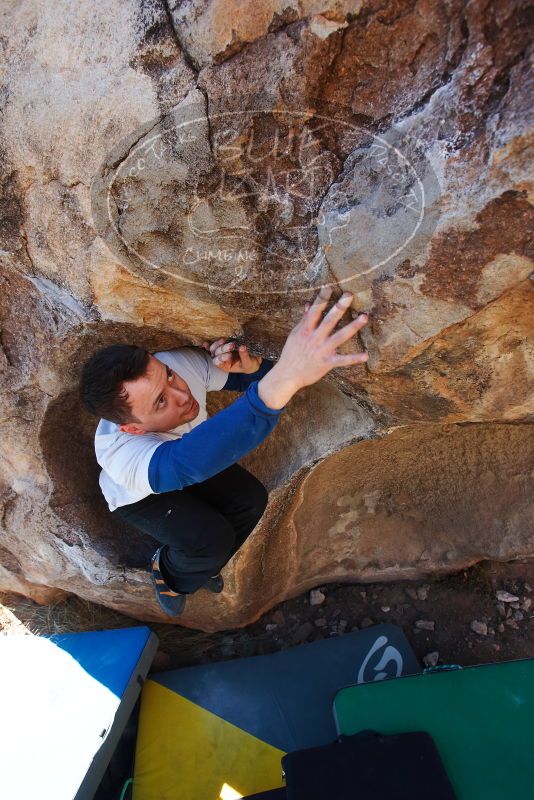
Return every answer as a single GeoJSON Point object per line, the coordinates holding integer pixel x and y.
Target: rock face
{"type": "Point", "coordinates": [182, 171]}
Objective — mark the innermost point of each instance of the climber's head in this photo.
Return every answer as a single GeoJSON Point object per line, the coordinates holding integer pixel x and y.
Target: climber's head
{"type": "Point", "coordinates": [127, 385]}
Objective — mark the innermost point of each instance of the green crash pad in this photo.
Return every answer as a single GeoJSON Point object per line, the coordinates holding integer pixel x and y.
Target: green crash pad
{"type": "Point", "coordinates": [481, 719]}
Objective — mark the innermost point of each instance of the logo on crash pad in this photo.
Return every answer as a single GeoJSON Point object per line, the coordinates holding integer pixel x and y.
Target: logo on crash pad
{"type": "Point", "coordinates": [382, 661]}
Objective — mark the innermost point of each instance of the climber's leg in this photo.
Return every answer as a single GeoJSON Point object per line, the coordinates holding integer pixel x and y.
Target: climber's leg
{"type": "Point", "coordinates": [239, 496]}
{"type": "Point", "coordinates": [202, 525]}
{"type": "Point", "coordinates": [198, 538]}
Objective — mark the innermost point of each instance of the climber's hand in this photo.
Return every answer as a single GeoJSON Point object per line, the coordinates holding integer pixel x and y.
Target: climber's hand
{"type": "Point", "coordinates": [228, 356]}
{"type": "Point", "coordinates": [310, 349]}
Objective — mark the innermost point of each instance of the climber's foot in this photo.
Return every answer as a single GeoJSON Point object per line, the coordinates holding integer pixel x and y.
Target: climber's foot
{"type": "Point", "coordinates": [215, 584]}
{"type": "Point", "coordinates": [170, 601]}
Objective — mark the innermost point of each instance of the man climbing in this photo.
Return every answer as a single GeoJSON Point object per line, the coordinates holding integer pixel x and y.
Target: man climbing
{"type": "Point", "coordinates": [170, 471]}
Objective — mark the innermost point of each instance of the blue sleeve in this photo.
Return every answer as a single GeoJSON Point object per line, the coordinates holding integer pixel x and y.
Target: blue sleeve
{"type": "Point", "coordinates": [213, 445]}
{"type": "Point", "coordinates": [238, 381]}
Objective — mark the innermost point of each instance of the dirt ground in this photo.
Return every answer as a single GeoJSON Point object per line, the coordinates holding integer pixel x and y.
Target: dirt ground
{"type": "Point", "coordinates": [454, 619]}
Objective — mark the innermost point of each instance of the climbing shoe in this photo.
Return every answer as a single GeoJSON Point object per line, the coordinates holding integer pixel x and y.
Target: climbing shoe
{"type": "Point", "coordinates": [215, 584]}
{"type": "Point", "coordinates": [170, 601]}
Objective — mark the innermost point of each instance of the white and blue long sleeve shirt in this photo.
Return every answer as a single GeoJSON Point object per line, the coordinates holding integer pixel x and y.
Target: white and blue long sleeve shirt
{"type": "Point", "coordinates": [134, 466]}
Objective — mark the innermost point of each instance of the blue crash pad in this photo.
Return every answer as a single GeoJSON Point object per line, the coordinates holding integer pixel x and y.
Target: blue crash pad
{"type": "Point", "coordinates": [65, 701]}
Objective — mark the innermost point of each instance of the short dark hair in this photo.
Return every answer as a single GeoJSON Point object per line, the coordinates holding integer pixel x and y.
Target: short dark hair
{"type": "Point", "coordinates": [101, 389]}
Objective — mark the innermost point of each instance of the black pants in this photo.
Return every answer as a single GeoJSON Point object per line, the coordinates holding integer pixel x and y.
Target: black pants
{"type": "Point", "coordinates": [202, 525]}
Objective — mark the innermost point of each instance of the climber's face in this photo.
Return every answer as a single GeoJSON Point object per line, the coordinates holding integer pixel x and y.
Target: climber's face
{"type": "Point", "coordinates": [160, 400]}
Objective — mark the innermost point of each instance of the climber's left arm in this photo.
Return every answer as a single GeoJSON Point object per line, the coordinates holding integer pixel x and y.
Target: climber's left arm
{"type": "Point", "coordinates": [242, 367]}
{"type": "Point", "coordinates": [238, 381]}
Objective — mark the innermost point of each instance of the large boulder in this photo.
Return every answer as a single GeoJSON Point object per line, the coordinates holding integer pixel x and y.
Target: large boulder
{"type": "Point", "coordinates": [182, 171]}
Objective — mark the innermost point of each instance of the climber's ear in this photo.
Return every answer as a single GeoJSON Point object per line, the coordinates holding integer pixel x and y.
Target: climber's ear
{"type": "Point", "coordinates": [131, 427]}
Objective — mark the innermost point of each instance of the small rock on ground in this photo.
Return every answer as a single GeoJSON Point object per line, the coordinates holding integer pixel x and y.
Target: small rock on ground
{"type": "Point", "coordinates": [278, 617]}
{"type": "Point", "coordinates": [317, 597]}
{"type": "Point", "coordinates": [506, 597]}
{"type": "Point", "coordinates": [479, 627]}
{"type": "Point", "coordinates": [425, 625]}
{"type": "Point", "coordinates": [431, 659]}
{"type": "Point", "coordinates": [302, 633]}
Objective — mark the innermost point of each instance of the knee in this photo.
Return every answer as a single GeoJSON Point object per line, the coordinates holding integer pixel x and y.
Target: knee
{"type": "Point", "coordinates": [215, 542]}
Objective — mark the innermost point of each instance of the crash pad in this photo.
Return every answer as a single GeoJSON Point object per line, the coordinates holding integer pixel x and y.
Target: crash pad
{"type": "Point", "coordinates": [481, 719]}
{"type": "Point", "coordinates": [65, 701]}
{"type": "Point", "coordinates": [218, 731]}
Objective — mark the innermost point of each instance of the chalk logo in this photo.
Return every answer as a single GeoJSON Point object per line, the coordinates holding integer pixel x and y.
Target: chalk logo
{"type": "Point", "coordinates": [262, 201]}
